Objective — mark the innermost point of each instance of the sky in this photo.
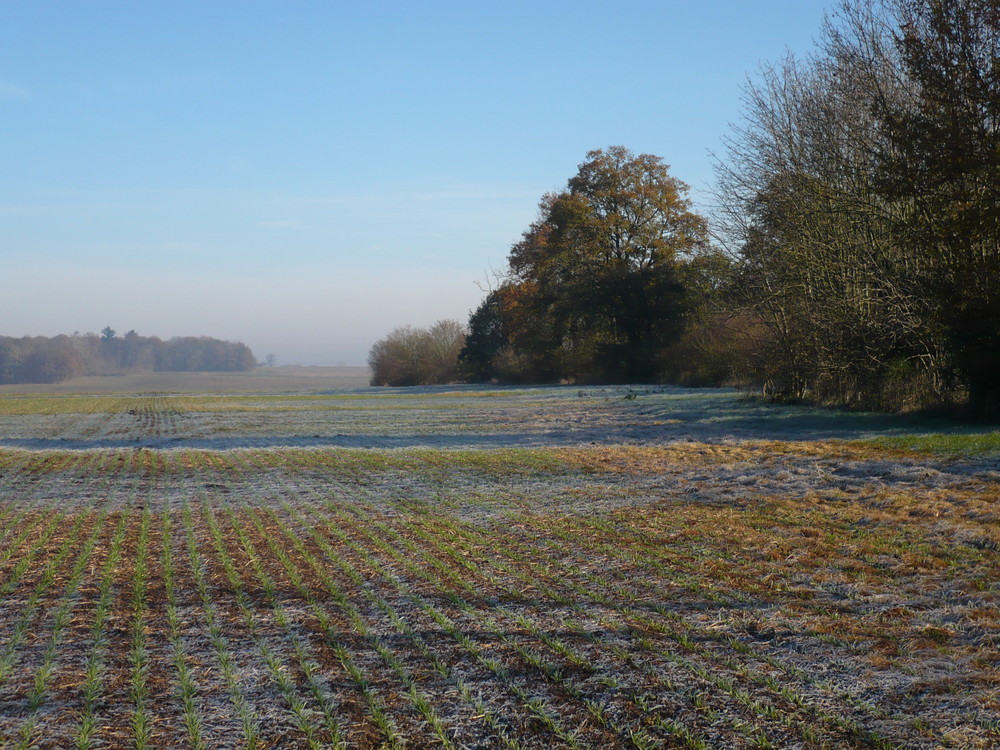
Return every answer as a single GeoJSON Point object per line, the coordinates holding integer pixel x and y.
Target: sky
{"type": "Point", "coordinates": [306, 176]}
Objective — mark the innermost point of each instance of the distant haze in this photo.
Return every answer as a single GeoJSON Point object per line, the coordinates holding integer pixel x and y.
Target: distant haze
{"type": "Point", "coordinates": [305, 178]}
{"type": "Point", "coordinates": [307, 315]}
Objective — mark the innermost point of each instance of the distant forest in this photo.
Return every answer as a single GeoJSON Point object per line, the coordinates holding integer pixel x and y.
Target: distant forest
{"type": "Point", "coordinates": [53, 360]}
{"type": "Point", "coordinates": [853, 257]}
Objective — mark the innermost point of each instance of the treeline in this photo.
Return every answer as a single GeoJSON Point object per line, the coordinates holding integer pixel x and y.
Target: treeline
{"type": "Point", "coordinates": [60, 358]}
{"type": "Point", "coordinates": [854, 252]}
{"type": "Point", "coordinates": [862, 197]}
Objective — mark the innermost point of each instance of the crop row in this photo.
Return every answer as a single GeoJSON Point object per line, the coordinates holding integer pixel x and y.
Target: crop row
{"type": "Point", "coordinates": [245, 598]}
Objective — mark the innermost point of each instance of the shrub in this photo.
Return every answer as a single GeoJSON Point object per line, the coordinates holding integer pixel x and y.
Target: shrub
{"type": "Point", "coordinates": [418, 356]}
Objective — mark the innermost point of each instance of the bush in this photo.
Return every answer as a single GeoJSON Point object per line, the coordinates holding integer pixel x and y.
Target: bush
{"type": "Point", "coordinates": [418, 356]}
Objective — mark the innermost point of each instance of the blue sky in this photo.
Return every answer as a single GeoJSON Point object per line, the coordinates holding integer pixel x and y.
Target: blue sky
{"type": "Point", "coordinates": [305, 176]}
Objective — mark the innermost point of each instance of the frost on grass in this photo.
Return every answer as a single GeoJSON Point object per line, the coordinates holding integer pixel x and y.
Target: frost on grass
{"type": "Point", "coordinates": [533, 568]}
{"type": "Point", "coordinates": [437, 418]}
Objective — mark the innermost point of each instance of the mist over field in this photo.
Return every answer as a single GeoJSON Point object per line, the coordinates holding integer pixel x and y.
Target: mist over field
{"type": "Point", "coordinates": [311, 316]}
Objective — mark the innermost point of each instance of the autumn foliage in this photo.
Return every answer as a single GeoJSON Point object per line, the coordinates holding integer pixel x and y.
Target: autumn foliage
{"type": "Point", "coordinates": [596, 289]}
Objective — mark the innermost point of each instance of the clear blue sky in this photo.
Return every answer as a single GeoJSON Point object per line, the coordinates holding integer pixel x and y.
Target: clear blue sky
{"type": "Point", "coordinates": [305, 176]}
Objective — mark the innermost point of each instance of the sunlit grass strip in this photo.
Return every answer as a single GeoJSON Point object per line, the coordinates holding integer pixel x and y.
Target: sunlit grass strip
{"type": "Point", "coordinates": [54, 461]}
{"type": "Point", "coordinates": [250, 720]}
{"type": "Point", "coordinates": [95, 665]}
{"type": "Point", "coordinates": [541, 461]}
{"type": "Point", "coordinates": [11, 460]}
{"type": "Point", "coordinates": [152, 463]}
{"type": "Point", "coordinates": [17, 405]}
{"type": "Point", "coordinates": [61, 617]}
{"type": "Point", "coordinates": [187, 687]}
{"type": "Point", "coordinates": [654, 459]}
{"type": "Point", "coordinates": [267, 403]}
{"type": "Point", "coordinates": [423, 462]}
{"type": "Point", "coordinates": [956, 445]}
{"type": "Point", "coordinates": [195, 461]}
{"type": "Point", "coordinates": [277, 669]}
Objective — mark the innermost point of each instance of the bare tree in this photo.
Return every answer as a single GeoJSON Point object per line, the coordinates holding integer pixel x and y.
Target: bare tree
{"type": "Point", "coordinates": [417, 356]}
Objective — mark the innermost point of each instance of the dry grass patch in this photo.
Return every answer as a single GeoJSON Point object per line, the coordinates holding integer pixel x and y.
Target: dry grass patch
{"type": "Point", "coordinates": [654, 459]}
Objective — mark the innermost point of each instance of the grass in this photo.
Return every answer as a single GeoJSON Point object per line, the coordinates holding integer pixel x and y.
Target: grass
{"type": "Point", "coordinates": [953, 445]}
{"type": "Point", "coordinates": [567, 571]}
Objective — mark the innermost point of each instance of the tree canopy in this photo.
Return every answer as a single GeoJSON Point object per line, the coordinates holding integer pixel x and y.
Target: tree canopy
{"type": "Point", "coordinates": [858, 212]}
{"type": "Point", "coordinates": [593, 289]}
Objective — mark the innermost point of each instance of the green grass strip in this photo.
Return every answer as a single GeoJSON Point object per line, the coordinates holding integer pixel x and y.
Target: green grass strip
{"type": "Point", "coordinates": [951, 445]}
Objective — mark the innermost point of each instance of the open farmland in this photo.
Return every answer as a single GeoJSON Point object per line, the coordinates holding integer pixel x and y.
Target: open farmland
{"type": "Point", "coordinates": [522, 568]}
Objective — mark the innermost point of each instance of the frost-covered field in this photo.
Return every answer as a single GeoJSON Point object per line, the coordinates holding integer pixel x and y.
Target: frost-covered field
{"type": "Point", "coordinates": [538, 567]}
{"type": "Point", "coordinates": [452, 417]}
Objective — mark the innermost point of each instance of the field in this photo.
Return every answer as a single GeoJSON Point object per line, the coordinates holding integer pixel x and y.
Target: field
{"type": "Point", "coordinates": [480, 568]}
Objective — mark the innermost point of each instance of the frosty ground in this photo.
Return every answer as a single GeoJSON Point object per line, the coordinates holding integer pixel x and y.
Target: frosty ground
{"type": "Point", "coordinates": [470, 567]}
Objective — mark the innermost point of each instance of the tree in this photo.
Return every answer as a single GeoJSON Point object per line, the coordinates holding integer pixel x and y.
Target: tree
{"type": "Point", "coordinates": [395, 359]}
{"type": "Point", "coordinates": [51, 361]}
{"type": "Point", "coordinates": [130, 350]}
{"type": "Point", "coordinates": [441, 348]}
{"type": "Point", "coordinates": [593, 289]}
{"type": "Point", "coordinates": [944, 160]}
{"type": "Point", "coordinates": [861, 193]}
{"type": "Point", "coordinates": [202, 353]}
{"type": "Point", "coordinates": [110, 347]}
{"type": "Point", "coordinates": [11, 356]}
{"type": "Point", "coordinates": [485, 339]}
